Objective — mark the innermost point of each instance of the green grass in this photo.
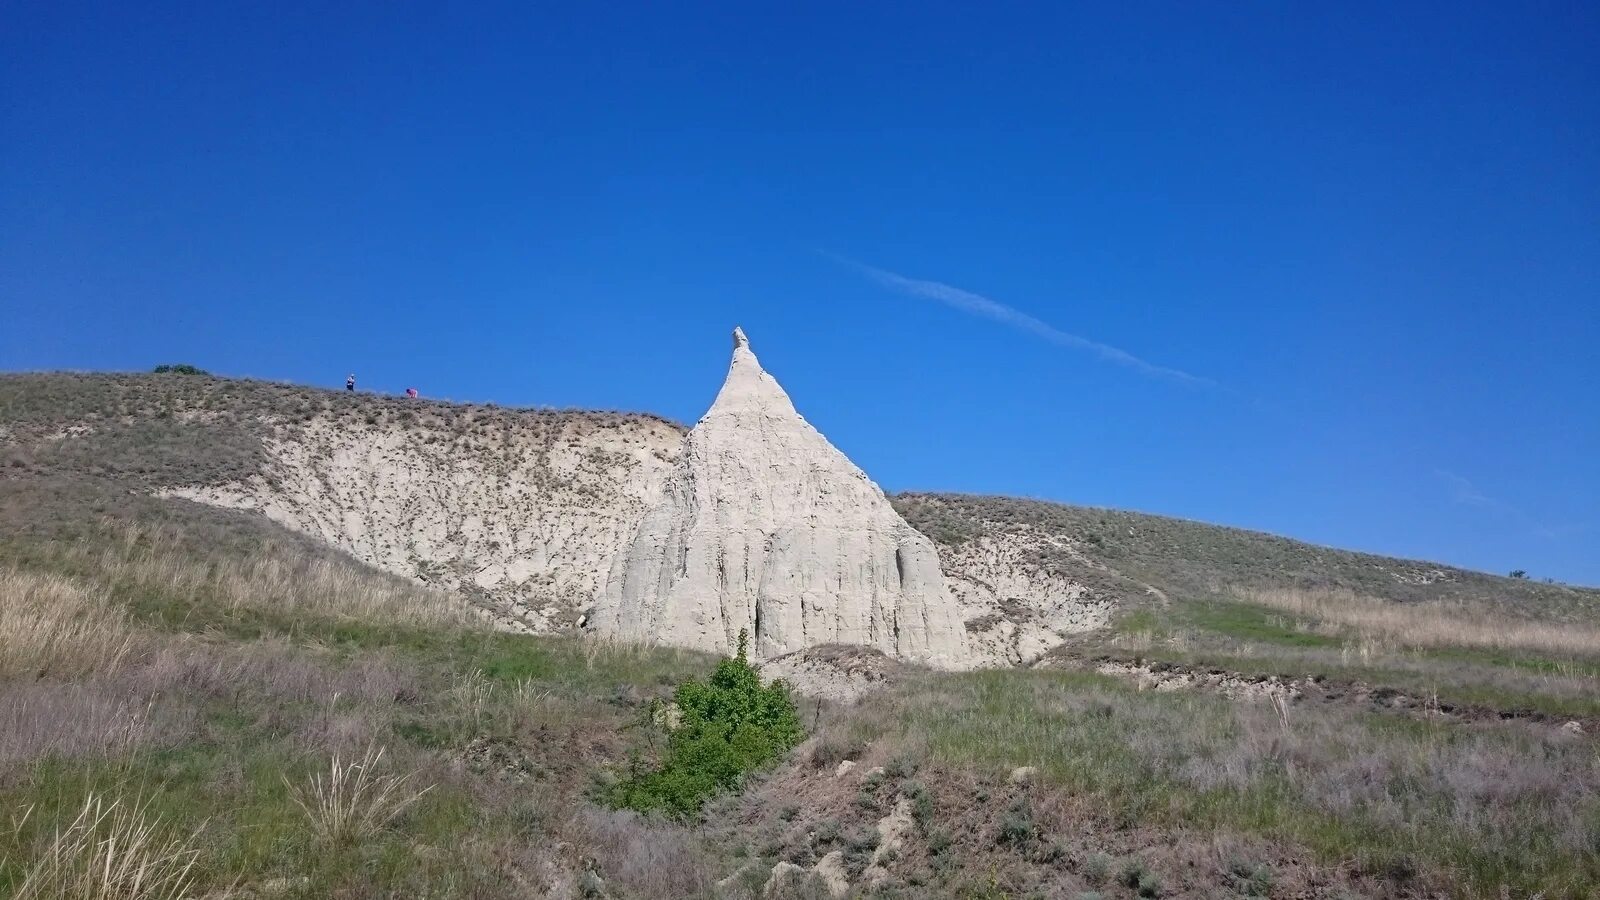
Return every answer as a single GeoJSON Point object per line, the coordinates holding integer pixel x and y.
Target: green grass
{"type": "Point", "coordinates": [1142, 621]}
{"type": "Point", "coordinates": [228, 780]}
{"type": "Point", "coordinates": [1516, 660]}
{"type": "Point", "coordinates": [1244, 622]}
{"type": "Point", "coordinates": [235, 796]}
{"type": "Point", "coordinates": [1254, 641]}
{"type": "Point", "coordinates": [1147, 759]}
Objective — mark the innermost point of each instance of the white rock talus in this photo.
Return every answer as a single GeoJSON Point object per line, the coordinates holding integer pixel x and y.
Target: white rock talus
{"type": "Point", "coordinates": [766, 527]}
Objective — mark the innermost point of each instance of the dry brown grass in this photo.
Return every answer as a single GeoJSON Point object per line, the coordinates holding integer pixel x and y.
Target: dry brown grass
{"type": "Point", "coordinates": [1343, 613]}
{"type": "Point", "coordinates": [356, 800]}
{"type": "Point", "coordinates": [113, 850]}
{"type": "Point", "coordinates": [144, 562]}
{"type": "Point", "coordinates": [50, 625]}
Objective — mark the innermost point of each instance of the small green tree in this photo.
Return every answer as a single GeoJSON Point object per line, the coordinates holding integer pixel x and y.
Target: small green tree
{"type": "Point", "coordinates": [179, 369]}
{"type": "Point", "coordinates": [726, 728]}
{"type": "Point", "coordinates": [1519, 573]}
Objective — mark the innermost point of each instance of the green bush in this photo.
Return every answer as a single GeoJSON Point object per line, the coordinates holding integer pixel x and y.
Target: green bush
{"type": "Point", "coordinates": [179, 369]}
{"type": "Point", "coordinates": [726, 728]}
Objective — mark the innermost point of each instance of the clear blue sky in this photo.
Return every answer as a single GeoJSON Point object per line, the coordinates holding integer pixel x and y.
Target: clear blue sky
{"type": "Point", "coordinates": [1327, 270]}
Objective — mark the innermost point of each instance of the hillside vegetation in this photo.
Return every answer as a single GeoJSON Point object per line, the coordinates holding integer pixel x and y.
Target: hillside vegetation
{"type": "Point", "coordinates": [253, 712]}
{"type": "Point", "coordinates": [1137, 556]}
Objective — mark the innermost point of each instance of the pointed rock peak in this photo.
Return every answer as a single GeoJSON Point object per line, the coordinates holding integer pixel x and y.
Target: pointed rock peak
{"type": "Point", "coordinates": [748, 388]}
{"type": "Point", "coordinates": [766, 528]}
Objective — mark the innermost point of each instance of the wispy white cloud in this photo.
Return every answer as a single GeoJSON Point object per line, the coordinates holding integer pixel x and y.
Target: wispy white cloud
{"type": "Point", "coordinates": [1464, 492]}
{"type": "Point", "coordinates": [979, 305]}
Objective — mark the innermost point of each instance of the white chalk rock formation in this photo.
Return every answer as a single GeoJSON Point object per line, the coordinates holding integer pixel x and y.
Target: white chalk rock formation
{"type": "Point", "coordinates": [766, 527]}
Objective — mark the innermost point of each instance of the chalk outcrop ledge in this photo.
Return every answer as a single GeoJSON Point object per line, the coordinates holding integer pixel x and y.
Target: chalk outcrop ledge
{"type": "Point", "coordinates": [766, 527]}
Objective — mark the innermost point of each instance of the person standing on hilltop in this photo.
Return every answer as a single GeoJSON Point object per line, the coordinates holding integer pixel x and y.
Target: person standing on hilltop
{"type": "Point", "coordinates": [350, 382]}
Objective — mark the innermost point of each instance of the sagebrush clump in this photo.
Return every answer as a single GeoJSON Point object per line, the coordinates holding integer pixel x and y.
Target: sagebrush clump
{"type": "Point", "coordinates": [724, 729]}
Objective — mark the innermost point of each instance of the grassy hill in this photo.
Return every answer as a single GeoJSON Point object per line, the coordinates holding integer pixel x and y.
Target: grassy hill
{"type": "Point", "coordinates": [190, 679]}
{"type": "Point", "coordinates": [1193, 560]}
{"type": "Point", "coordinates": [1208, 598]}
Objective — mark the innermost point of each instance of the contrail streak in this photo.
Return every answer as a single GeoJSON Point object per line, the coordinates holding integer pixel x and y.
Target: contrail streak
{"type": "Point", "coordinates": [979, 305]}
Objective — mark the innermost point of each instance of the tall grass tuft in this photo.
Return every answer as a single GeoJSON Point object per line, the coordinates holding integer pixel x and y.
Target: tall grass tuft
{"type": "Point", "coordinates": [354, 802]}
{"type": "Point", "coordinates": [50, 625]}
{"type": "Point", "coordinates": [113, 850]}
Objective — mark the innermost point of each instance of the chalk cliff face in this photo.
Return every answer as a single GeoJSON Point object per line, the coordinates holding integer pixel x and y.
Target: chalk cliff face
{"type": "Point", "coordinates": [766, 527]}
{"type": "Point", "coordinates": [523, 509]}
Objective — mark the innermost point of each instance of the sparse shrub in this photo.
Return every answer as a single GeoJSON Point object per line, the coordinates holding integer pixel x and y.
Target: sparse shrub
{"type": "Point", "coordinates": [1097, 868]}
{"type": "Point", "coordinates": [179, 369]}
{"type": "Point", "coordinates": [830, 751]}
{"type": "Point", "coordinates": [902, 766]}
{"type": "Point", "coordinates": [1046, 853]}
{"type": "Point", "coordinates": [867, 799]}
{"type": "Point", "coordinates": [858, 846]}
{"type": "Point", "coordinates": [730, 726]}
{"type": "Point", "coordinates": [1137, 876]}
{"type": "Point", "coordinates": [1016, 828]}
{"type": "Point", "coordinates": [921, 803]}
{"type": "Point", "coordinates": [828, 831]}
{"type": "Point", "coordinates": [1251, 879]}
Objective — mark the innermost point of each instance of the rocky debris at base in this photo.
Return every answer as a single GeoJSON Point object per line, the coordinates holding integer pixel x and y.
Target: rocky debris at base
{"type": "Point", "coordinates": [836, 672]}
{"type": "Point", "coordinates": [892, 831]}
{"type": "Point", "coordinates": [499, 757]}
{"type": "Point", "coordinates": [1164, 678]}
{"type": "Point", "coordinates": [831, 872]}
{"type": "Point", "coordinates": [784, 876]}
